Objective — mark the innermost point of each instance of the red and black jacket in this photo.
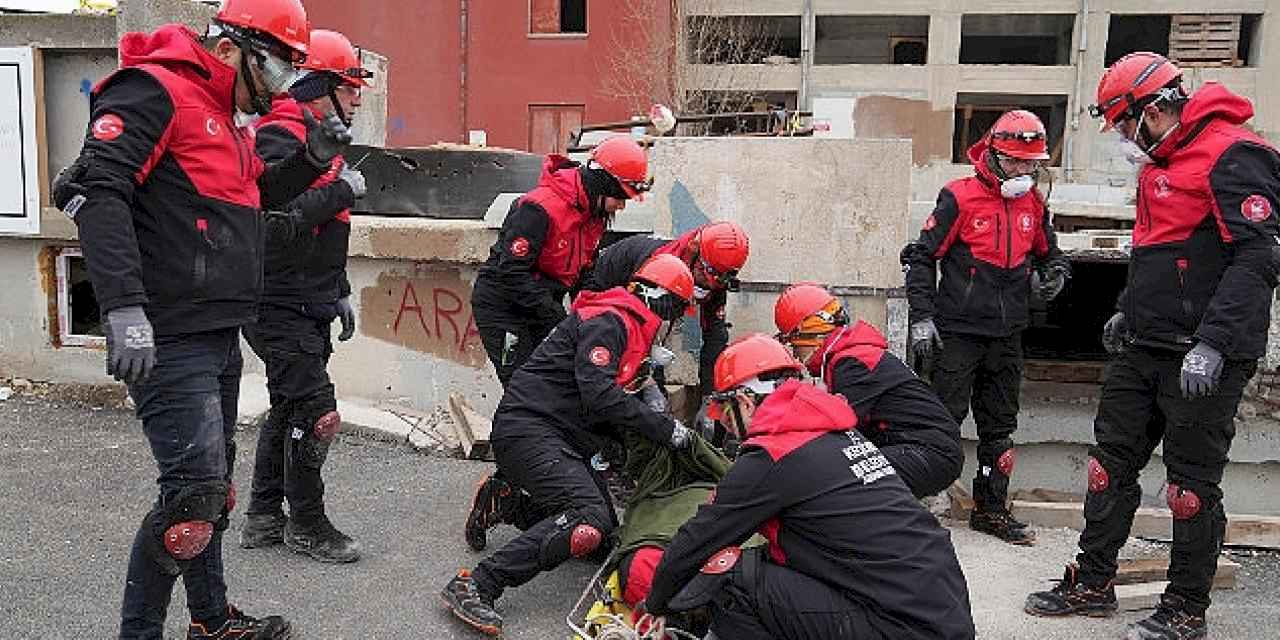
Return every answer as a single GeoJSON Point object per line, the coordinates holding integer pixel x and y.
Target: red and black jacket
{"type": "Point", "coordinates": [619, 262]}
{"type": "Point", "coordinates": [1203, 266]}
{"type": "Point", "coordinates": [311, 267]}
{"type": "Point", "coordinates": [574, 381]}
{"type": "Point", "coordinates": [985, 243]}
{"type": "Point", "coordinates": [893, 405]}
{"type": "Point", "coordinates": [831, 507]}
{"type": "Point", "coordinates": [549, 237]}
{"type": "Point", "coordinates": [172, 218]}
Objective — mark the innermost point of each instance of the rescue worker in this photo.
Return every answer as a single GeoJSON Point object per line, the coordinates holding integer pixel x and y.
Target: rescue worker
{"type": "Point", "coordinates": [576, 390]}
{"type": "Point", "coordinates": [993, 236]}
{"type": "Point", "coordinates": [714, 252]}
{"type": "Point", "coordinates": [850, 554]}
{"type": "Point", "coordinates": [305, 289]}
{"type": "Point", "coordinates": [166, 193]}
{"type": "Point", "coordinates": [1187, 333]}
{"type": "Point", "coordinates": [549, 237]}
{"type": "Point", "coordinates": [896, 410]}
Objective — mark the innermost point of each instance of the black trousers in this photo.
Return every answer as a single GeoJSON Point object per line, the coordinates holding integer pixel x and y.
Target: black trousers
{"type": "Point", "coordinates": [508, 334]}
{"type": "Point", "coordinates": [563, 492]}
{"type": "Point", "coordinates": [764, 601]}
{"type": "Point", "coordinates": [1142, 406]}
{"type": "Point", "coordinates": [293, 341]}
{"type": "Point", "coordinates": [985, 373]}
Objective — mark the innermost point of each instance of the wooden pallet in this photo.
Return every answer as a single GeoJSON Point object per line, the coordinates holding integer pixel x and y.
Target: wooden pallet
{"type": "Point", "coordinates": [1205, 40]}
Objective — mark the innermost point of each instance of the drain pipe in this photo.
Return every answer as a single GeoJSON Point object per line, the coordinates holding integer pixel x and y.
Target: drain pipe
{"type": "Point", "coordinates": [1067, 160]}
{"type": "Point", "coordinates": [808, 33]}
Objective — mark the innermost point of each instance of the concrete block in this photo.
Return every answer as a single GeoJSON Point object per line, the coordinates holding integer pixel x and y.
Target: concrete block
{"type": "Point", "coordinates": [369, 127]}
{"type": "Point", "coordinates": [1136, 597]}
{"type": "Point", "coordinates": [146, 15]}
{"type": "Point", "coordinates": [450, 241]}
{"type": "Point", "coordinates": [57, 31]}
{"type": "Point", "coordinates": [374, 422]}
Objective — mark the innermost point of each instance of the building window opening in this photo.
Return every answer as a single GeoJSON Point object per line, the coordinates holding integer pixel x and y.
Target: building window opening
{"type": "Point", "coordinates": [557, 16]}
{"type": "Point", "coordinates": [79, 318]}
{"type": "Point", "coordinates": [743, 39]}
{"type": "Point", "coordinates": [1043, 40]}
{"type": "Point", "coordinates": [871, 40]}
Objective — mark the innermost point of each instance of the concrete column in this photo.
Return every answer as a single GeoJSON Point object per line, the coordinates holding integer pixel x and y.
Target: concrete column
{"type": "Point", "coordinates": [1267, 100]}
{"type": "Point", "coordinates": [1091, 64]}
{"type": "Point", "coordinates": [808, 38]}
{"type": "Point", "coordinates": [944, 38]}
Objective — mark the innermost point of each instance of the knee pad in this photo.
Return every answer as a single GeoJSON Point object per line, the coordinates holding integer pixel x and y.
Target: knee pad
{"type": "Point", "coordinates": [1107, 490]}
{"type": "Point", "coordinates": [1183, 502]}
{"type": "Point", "coordinates": [1006, 461]}
{"type": "Point", "coordinates": [183, 526]}
{"type": "Point", "coordinates": [1099, 479]}
{"type": "Point", "coordinates": [584, 540]}
{"type": "Point", "coordinates": [577, 534]}
{"type": "Point", "coordinates": [326, 426]}
{"type": "Point", "coordinates": [997, 455]}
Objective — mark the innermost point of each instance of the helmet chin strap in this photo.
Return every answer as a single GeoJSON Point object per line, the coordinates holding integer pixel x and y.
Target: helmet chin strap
{"type": "Point", "coordinates": [337, 106]}
{"type": "Point", "coordinates": [261, 104]}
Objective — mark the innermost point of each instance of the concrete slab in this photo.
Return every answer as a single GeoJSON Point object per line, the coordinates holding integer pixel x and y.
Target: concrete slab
{"type": "Point", "coordinates": [254, 401]}
{"type": "Point", "coordinates": [362, 418]}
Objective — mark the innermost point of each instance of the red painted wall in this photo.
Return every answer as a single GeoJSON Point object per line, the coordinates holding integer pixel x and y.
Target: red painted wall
{"type": "Point", "coordinates": [422, 40]}
{"type": "Point", "coordinates": [506, 70]}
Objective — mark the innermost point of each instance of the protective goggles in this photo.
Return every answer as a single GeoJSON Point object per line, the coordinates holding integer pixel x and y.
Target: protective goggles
{"type": "Point", "coordinates": [725, 279]}
{"type": "Point", "coordinates": [1025, 137]}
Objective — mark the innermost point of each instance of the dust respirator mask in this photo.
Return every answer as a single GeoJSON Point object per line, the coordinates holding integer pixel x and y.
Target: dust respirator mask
{"type": "Point", "coordinates": [1016, 187]}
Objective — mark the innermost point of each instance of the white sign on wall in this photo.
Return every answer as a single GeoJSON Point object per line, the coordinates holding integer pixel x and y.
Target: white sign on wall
{"type": "Point", "coordinates": [19, 157]}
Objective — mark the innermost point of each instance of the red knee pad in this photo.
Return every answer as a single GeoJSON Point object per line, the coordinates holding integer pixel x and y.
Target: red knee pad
{"type": "Point", "coordinates": [1184, 503]}
{"type": "Point", "coordinates": [722, 561]}
{"type": "Point", "coordinates": [231, 498]}
{"type": "Point", "coordinates": [1006, 461]}
{"type": "Point", "coordinates": [186, 540]}
{"type": "Point", "coordinates": [1099, 479]}
{"type": "Point", "coordinates": [327, 426]}
{"type": "Point", "coordinates": [584, 539]}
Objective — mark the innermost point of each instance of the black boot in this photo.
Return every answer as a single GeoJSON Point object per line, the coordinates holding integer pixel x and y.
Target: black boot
{"type": "Point", "coordinates": [1171, 621]}
{"type": "Point", "coordinates": [318, 538]}
{"type": "Point", "coordinates": [470, 605]}
{"type": "Point", "coordinates": [262, 530]}
{"type": "Point", "coordinates": [1072, 597]}
{"type": "Point", "coordinates": [239, 626]}
{"type": "Point", "coordinates": [494, 503]}
{"type": "Point", "coordinates": [1001, 524]}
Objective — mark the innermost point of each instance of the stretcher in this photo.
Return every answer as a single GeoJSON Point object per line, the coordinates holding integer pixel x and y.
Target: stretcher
{"type": "Point", "coordinates": [609, 618]}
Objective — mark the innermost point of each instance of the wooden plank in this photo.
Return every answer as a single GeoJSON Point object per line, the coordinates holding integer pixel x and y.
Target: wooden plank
{"type": "Point", "coordinates": [961, 502]}
{"type": "Point", "coordinates": [1245, 530]}
{"type": "Point", "coordinates": [1136, 597]}
{"type": "Point", "coordinates": [1156, 569]}
{"type": "Point", "coordinates": [472, 428]}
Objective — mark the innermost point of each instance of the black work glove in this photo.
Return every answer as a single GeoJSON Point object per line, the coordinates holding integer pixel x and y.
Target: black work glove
{"type": "Point", "coordinates": [68, 189]}
{"type": "Point", "coordinates": [1115, 334]}
{"type": "Point", "coordinates": [326, 139]}
{"type": "Point", "coordinates": [131, 346]}
{"type": "Point", "coordinates": [1049, 285]}
{"type": "Point", "coordinates": [1201, 368]}
{"type": "Point", "coordinates": [348, 318]}
{"type": "Point", "coordinates": [283, 227]}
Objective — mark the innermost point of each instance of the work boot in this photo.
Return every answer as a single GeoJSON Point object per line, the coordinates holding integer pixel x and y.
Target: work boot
{"type": "Point", "coordinates": [494, 503]}
{"type": "Point", "coordinates": [1073, 597]}
{"type": "Point", "coordinates": [1171, 621]}
{"type": "Point", "coordinates": [320, 540]}
{"type": "Point", "coordinates": [1000, 523]}
{"type": "Point", "coordinates": [262, 530]}
{"type": "Point", "coordinates": [471, 606]}
{"type": "Point", "coordinates": [239, 626]}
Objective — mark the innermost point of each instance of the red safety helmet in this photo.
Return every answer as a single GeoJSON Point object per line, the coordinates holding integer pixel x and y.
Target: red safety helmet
{"type": "Point", "coordinates": [668, 272]}
{"type": "Point", "coordinates": [626, 161]}
{"type": "Point", "coordinates": [723, 246]}
{"type": "Point", "coordinates": [1127, 82]}
{"type": "Point", "coordinates": [284, 20]}
{"type": "Point", "coordinates": [743, 362]}
{"type": "Point", "coordinates": [1019, 134]}
{"type": "Point", "coordinates": [332, 52]}
{"type": "Point", "coordinates": [798, 303]}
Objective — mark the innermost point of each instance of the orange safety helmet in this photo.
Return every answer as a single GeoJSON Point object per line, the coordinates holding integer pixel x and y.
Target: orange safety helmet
{"type": "Point", "coordinates": [1019, 134]}
{"type": "Point", "coordinates": [626, 161]}
{"type": "Point", "coordinates": [668, 272]}
{"type": "Point", "coordinates": [743, 362]}
{"type": "Point", "coordinates": [284, 20]}
{"type": "Point", "coordinates": [723, 246]}
{"type": "Point", "coordinates": [804, 311]}
{"type": "Point", "coordinates": [1127, 82]}
{"type": "Point", "coordinates": [332, 52]}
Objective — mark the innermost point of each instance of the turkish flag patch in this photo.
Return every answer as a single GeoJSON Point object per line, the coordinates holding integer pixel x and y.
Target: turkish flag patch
{"type": "Point", "coordinates": [520, 247]}
{"type": "Point", "coordinates": [108, 127]}
{"type": "Point", "coordinates": [930, 223]}
{"type": "Point", "coordinates": [600, 356]}
{"type": "Point", "coordinates": [1256, 208]}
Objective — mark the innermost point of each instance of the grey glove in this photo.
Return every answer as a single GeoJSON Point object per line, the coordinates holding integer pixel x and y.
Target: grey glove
{"type": "Point", "coordinates": [925, 338]}
{"type": "Point", "coordinates": [131, 346]}
{"type": "Point", "coordinates": [1201, 369]}
{"type": "Point", "coordinates": [355, 180]}
{"type": "Point", "coordinates": [326, 139]}
{"type": "Point", "coordinates": [654, 398]}
{"type": "Point", "coordinates": [681, 436]}
{"type": "Point", "coordinates": [1115, 334]}
{"type": "Point", "coordinates": [348, 318]}
{"type": "Point", "coordinates": [1049, 285]}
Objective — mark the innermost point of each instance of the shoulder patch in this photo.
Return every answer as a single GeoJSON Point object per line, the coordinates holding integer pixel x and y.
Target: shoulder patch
{"type": "Point", "coordinates": [1256, 208]}
{"type": "Point", "coordinates": [930, 222]}
{"type": "Point", "coordinates": [520, 247]}
{"type": "Point", "coordinates": [600, 356]}
{"type": "Point", "coordinates": [108, 127]}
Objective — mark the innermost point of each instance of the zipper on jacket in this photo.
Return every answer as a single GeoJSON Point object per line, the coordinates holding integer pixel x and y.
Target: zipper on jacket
{"type": "Point", "coordinates": [235, 135]}
{"type": "Point", "coordinates": [1183, 265]}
